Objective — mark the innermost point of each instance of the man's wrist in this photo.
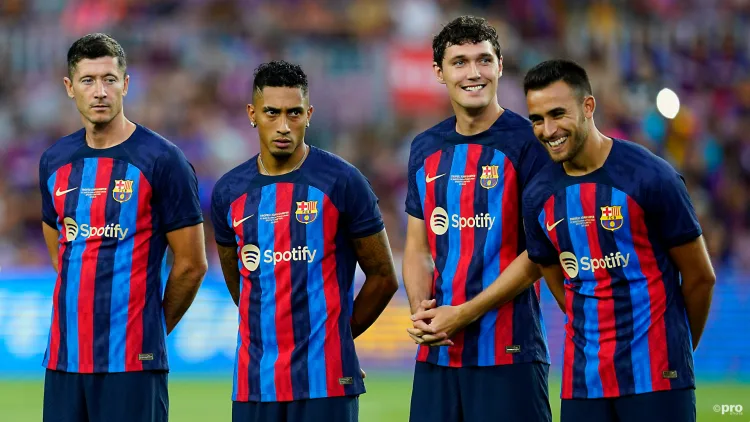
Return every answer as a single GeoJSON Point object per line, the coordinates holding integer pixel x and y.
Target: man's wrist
{"type": "Point", "coordinates": [466, 313]}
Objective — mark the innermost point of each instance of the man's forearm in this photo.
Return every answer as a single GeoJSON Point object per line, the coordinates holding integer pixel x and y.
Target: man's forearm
{"type": "Point", "coordinates": [697, 305]}
{"type": "Point", "coordinates": [417, 281]}
{"type": "Point", "coordinates": [182, 286]}
{"type": "Point", "coordinates": [371, 301]}
{"type": "Point", "coordinates": [516, 278]}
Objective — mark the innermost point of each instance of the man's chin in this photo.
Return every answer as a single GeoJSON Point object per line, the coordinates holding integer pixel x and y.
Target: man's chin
{"type": "Point", "coordinates": [281, 154]}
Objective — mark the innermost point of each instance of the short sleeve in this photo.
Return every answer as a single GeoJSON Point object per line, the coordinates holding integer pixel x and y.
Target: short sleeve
{"type": "Point", "coordinates": [220, 217]}
{"type": "Point", "coordinates": [674, 218]}
{"type": "Point", "coordinates": [533, 158]}
{"type": "Point", "coordinates": [362, 216]}
{"type": "Point", "coordinates": [49, 214]}
{"type": "Point", "coordinates": [413, 200]}
{"type": "Point", "coordinates": [538, 245]}
{"type": "Point", "coordinates": [176, 192]}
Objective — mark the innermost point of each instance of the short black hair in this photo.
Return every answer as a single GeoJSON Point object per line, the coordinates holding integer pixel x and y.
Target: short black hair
{"type": "Point", "coordinates": [279, 73]}
{"type": "Point", "coordinates": [93, 46]}
{"type": "Point", "coordinates": [464, 30]}
{"type": "Point", "coordinates": [546, 73]}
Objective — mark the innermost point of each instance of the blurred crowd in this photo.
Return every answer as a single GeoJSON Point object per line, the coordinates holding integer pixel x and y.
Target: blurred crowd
{"type": "Point", "coordinates": [191, 65]}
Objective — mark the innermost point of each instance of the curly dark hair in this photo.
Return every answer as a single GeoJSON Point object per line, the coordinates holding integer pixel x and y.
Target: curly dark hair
{"type": "Point", "coordinates": [548, 72]}
{"type": "Point", "coordinates": [464, 30]}
{"type": "Point", "coordinates": [93, 46]}
{"type": "Point", "coordinates": [279, 73]}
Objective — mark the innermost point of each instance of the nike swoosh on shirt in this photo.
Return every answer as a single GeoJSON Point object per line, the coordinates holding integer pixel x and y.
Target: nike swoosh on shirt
{"type": "Point", "coordinates": [237, 223]}
{"type": "Point", "coordinates": [63, 192]}
{"type": "Point", "coordinates": [552, 226]}
{"type": "Point", "coordinates": [429, 179]}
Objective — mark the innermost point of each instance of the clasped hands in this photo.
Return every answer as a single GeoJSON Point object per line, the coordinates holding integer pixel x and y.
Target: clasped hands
{"type": "Point", "coordinates": [434, 326]}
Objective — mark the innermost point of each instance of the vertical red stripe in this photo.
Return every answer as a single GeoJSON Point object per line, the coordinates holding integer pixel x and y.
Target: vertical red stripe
{"type": "Point", "coordinates": [657, 333]}
{"type": "Point", "coordinates": [283, 274]}
{"type": "Point", "coordinates": [569, 355]}
{"type": "Point", "coordinates": [89, 259]}
{"type": "Point", "coordinates": [332, 345]}
{"type": "Point", "coordinates": [430, 168]}
{"type": "Point", "coordinates": [603, 293]}
{"type": "Point", "coordinates": [237, 211]}
{"type": "Point", "coordinates": [61, 183]}
{"type": "Point", "coordinates": [468, 195]}
{"type": "Point", "coordinates": [508, 252]}
{"type": "Point", "coordinates": [138, 278]}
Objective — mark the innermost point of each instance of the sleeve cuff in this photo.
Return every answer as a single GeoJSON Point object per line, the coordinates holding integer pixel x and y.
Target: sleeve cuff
{"type": "Point", "coordinates": [369, 230]}
{"type": "Point", "coordinates": [415, 213]}
{"type": "Point", "coordinates": [182, 223]}
{"type": "Point", "coordinates": [543, 260]}
{"type": "Point", "coordinates": [683, 238]}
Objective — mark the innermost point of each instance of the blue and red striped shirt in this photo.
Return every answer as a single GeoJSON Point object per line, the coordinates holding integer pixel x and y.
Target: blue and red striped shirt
{"type": "Point", "coordinates": [626, 328]}
{"type": "Point", "coordinates": [113, 208]}
{"type": "Point", "coordinates": [293, 234]}
{"type": "Point", "coordinates": [467, 189]}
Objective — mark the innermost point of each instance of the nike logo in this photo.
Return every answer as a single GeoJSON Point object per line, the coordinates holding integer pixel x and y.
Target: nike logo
{"type": "Point", "coordinates": [63, 192]}
{"type": "Point", "coordinates": [237, 223]}
{"type": "Point", "coordinates": [552, 226]}
{"type": "Point", "coordinates": [429, 179]}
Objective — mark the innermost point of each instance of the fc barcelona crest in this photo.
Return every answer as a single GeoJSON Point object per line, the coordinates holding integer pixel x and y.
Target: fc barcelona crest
{"type": "Point", "coordinates": [307, 211]}
{"type": "Point", "coordinates": [611, 218]}
{"type": "Point", "coordinates": [489, 177]}
{"type": "Point", "coordinates": [123, 190]}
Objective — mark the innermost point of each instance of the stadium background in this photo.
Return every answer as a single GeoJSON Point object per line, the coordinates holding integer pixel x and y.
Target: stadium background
{"type": "Point", "coordinates": [368, 62]}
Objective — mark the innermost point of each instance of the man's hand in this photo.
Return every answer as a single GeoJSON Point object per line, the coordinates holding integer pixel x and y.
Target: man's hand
{"type": "Point", "coordinates": [434, 326]}
{"type": "Point", "coordinates": [440, 324]}
{"type": "Point", "coordinates": [418, 335]}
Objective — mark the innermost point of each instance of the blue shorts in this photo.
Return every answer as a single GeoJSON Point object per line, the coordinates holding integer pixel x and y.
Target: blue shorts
{"type": "Point", "coordinates": [508, 393]}
{"type": "Point", "coordinates": [116, 397]}
{"type": "Point", "coordinates": [332, 409]}
{"type": "Point", "coordinates": [660, 406]}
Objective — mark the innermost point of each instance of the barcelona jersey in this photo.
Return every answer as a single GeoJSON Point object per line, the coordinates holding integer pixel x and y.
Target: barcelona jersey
{"type": "Point", "coordinates": [626, 327]}
{"type": "Point", "coordinates": [293, 234]}
{"type": "Point", "coordinates": [467, 189]}
{"type": "Point", "coordinates": [113, 208]}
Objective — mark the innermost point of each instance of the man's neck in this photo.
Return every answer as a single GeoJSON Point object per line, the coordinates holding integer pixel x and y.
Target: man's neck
{"type": "Point", "coordinates": [108, 135]}
{"type": "Point", "coordinates": [591, 157]}
{"type": "Point", "coordinates": [471, 122]}
{"type": "Point", "coordinates": [277, 166]}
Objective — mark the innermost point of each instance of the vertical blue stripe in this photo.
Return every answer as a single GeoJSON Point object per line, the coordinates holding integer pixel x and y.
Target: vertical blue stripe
{"type": "Point", "coordinates": [316, 366]}
{"type": "Point", "coordinates": [266, 241]}
{"type": "Point", "coordinates": [580, 241]}
{"type": "Point", "coordinates": [458, 168]}
{"type": "Point", "coordinates": [83, 218]}
{"type": "Point", "coordinates": [165, 270]}
{"type": "Point", "coordinates": [641, 303]}
{"type": "Point", "coordinates": [50, 188]}
{"type": "Point", "coordinates": [542, 218]}
{"type": "Point", "coordinates": [118, 319]}
{"type": "Point", "coordinates": [240, 267]}
{"type": "Point", "coordinates": [51, 182]}
{"type": "Point", "coordinates": [491, 264]}
{"type": "Point", "coordinates": [422, 188]}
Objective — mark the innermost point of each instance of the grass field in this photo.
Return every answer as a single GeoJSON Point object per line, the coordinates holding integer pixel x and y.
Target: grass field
{"type": "Point", "coordinates": [387, 400]}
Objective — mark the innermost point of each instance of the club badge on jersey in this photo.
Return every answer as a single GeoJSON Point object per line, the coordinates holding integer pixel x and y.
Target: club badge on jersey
{"type": "Point", "coordinates": [123, 190]}
{"type": "Point", "coordinates": [611, 218]}
{"type": "Point", "coordinates": [489, 177]}
{"type": "Point", "coordinates": [307, 211]}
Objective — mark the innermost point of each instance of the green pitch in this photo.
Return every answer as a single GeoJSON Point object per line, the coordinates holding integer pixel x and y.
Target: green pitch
{"type": "Point", "coordinates": [387, 399]}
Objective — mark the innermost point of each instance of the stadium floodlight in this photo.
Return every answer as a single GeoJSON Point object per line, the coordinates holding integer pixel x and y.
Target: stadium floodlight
{"type": "Point", "coordinates": [668, 103]}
